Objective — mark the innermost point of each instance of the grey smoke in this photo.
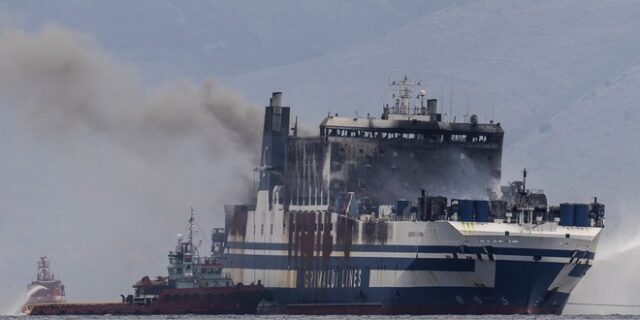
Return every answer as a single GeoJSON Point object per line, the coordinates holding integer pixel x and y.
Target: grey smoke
{"type": "Point", "coordinates": [111, 165]}
{"type": "Point", "coordinates": [59, 81]}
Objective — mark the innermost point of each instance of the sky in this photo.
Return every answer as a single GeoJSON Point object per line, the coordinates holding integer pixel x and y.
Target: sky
{"type": "Point", "coordinates": [116, 116]}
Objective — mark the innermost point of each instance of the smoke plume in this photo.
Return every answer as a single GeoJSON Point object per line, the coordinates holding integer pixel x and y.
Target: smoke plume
{"type": "Point", "coordinates": [59, 82]}
{"type": "Point", "coordinates": [111, 165]}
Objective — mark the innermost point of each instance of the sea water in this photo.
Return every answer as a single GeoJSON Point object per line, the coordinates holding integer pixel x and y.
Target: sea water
{"type": "Point", "coordinates": [345, 317]}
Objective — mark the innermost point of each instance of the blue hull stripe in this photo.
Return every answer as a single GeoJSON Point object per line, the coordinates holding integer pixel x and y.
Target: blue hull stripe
{"type": "Point", "coordinates": [285, 263]}
{"type": "Point", "coordinates": [426, 249]}
{"type": "Point", "coordinates": [520, 287]}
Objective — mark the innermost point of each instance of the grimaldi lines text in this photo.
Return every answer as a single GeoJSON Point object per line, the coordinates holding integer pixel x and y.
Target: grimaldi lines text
{"type": "Point", "coordinates": [403, 215]}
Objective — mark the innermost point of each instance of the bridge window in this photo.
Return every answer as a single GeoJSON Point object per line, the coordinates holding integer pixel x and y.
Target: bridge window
{"type": "Point", "coordinates": [435, 136]}
{"type": "Point", "coordinates": [479, 138]}
{"type": "Point", "coordinates": [408, 135]}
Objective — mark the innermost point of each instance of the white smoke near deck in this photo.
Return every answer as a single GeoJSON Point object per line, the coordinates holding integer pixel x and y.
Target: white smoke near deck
{"type": "Point", "coordinates": [112, 166]}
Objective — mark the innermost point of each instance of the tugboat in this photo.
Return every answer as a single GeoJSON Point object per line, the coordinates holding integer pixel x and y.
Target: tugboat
{"type": "Point", "coordinates": [195, 285]}
{"type": "Point", "coordinates": [46, 288]}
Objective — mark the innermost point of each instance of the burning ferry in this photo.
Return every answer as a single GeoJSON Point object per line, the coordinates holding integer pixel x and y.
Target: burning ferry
{"type": "Point", "coordinates": [402, 215]}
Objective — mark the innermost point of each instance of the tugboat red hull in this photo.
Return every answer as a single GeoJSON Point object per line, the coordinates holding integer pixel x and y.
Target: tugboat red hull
{"type": "Point", "coordinates": [213, 300]}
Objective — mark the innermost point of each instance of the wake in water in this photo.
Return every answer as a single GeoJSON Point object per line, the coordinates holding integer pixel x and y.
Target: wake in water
{"type": "Point", "coordinates": [16, 308]}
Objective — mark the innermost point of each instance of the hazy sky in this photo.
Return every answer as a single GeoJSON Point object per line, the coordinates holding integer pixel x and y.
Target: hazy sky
{"type": "Point", "coordinates": [117, 115]}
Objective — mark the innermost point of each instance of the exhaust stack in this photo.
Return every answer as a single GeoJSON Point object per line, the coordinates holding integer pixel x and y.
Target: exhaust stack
{"type": "Point", "coordinates": [275, 136]}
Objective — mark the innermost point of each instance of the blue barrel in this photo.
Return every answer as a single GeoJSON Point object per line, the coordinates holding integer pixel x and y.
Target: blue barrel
{"type": "Point", "coordinates": [465, 210]}
{"type": "Point", "coordinates": [482, 210]}
{"type": "Point", "coordinates": [566, 214]}
{"type": "Point", "coordinates": [581, 215]}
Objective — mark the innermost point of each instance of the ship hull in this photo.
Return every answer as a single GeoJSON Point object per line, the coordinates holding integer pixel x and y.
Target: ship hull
{"type": "Point", "coordinates": [409, 267]}
{"type": "Point", "coordinates": [415, 309]}
{"type": "Point", "coordinates": [237, 300]}
{"type": "Point", "coordinates": [519, 288]}
{"type": "Point", "coordinates": [418, 301]}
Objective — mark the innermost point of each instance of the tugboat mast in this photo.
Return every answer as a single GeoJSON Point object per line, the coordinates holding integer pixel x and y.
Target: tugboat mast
{"type": "Point", "coordinates": [43, 270]}
{"type": "Point", "coordinates": [191, 226]}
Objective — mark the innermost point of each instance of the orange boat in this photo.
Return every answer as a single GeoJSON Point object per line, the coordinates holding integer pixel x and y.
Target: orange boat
{"type": "Point", "coordinates": [46, 288]}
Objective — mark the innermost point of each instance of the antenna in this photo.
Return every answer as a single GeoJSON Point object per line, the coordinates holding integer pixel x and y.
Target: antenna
{"type": "Point", "coordinates": [523, 191]}
{"type": "Point", "coordinates": [444, 105]}
{"type": "Point", "coordinates": [493, 112]}
{"type": "Point", "coordinates": [422, 94]}
{"type": "Point", "coordinates": [402, 100]}
{"type": "Point", "coordinates": [466, 114]}
{"type": "Point", "coordinates": [451, 101]}
{"type": "Point", "coordinates": [191, 220]}
{"type": "Point", "coordinates": [295, 128]}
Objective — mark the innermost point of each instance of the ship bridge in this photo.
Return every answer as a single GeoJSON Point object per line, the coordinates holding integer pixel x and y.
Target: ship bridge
{"type": "Point", "coordinates": [380, 160]}
{"type": "Point", "coordinates": [487, 134]}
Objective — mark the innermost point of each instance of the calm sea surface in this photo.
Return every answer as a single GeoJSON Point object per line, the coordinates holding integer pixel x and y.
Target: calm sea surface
{"type": "Point", "coordinates": [272, 317]}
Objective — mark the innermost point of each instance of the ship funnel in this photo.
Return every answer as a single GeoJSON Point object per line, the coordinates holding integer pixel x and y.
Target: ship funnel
{"type": "Point", "coordinates": [274, 142]}
{"type": "Point", "coordinates": [432, 106]}
{"type": "Point", "coordinates": [432, 110]}
{"type": "Point", "coordinates": [276, 99]}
